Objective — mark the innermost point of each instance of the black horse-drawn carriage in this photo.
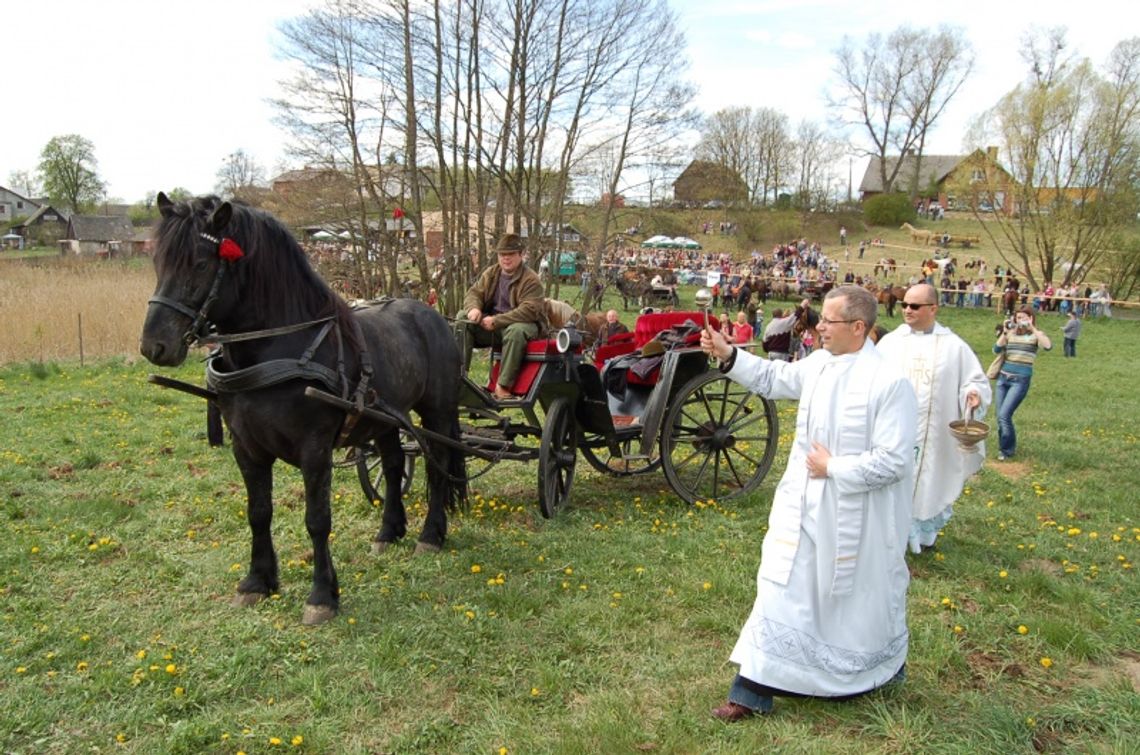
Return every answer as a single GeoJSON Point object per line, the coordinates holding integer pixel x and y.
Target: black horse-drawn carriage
{"type": "Point", "coordinates": [646, 401]}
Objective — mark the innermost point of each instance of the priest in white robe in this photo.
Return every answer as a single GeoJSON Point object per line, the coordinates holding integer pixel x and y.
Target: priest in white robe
{"type": "Point", "coordinates": [830, 613]}
{"type": "Point", "coordinates": [949, 382]}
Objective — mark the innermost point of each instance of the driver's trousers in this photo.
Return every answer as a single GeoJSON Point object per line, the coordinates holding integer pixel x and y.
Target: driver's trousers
{"type": "Point", "coordinates": [512, 339]}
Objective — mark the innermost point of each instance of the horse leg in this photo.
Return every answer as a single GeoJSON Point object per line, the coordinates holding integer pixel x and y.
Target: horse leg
{"type": "Point", "coordinates": [441, 466]}
{"type": "Point", "coordinates": [262, 578]}
{"type": "Point", "coordinates": [394, 520]}
{"type": "Point", "coordinates": [324, 598]}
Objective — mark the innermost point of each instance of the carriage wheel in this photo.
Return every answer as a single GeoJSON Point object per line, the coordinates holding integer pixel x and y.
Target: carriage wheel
{"type": "Point", "coordinates": [370, 471]}
{"type": "Point", "coordinates": [718, 440]}
{"type": "Point", "coordinates": [557, 456]}
{"type": "Point", "coordinates": [601, 459]}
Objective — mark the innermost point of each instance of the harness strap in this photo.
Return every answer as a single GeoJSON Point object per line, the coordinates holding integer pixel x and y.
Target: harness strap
{"type": "Point", "coordinates": [265, 374]}
{"type": "Point", "coordinates": [307, 356]}
{"type": "Point", "coordinates": [254, 335]}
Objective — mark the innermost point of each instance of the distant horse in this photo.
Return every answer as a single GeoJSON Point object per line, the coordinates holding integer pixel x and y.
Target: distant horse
{"type": "Point", "coordinates": [634, 286]}
{"type": "Point", "coordinates": [885, 265]}
{"type": "Point", "coordinates": [233, 275]}
{"type": "Point", "coordinates": [888, 296]}
{"type": "Point", "coordinates": [1009, 302]}
{"type": "Point", "coordinates": [762, 289]}
{"type": "Point", "coordinates": [782, 289]}
{"type": "Point", "coordinates": [560, 314]}
{"type": "Point", "coordinates": [918, 235]}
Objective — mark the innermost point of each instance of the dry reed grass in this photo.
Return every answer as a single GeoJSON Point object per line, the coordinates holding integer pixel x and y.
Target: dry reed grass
{"type": "Point", "coordinates": [42, 304]}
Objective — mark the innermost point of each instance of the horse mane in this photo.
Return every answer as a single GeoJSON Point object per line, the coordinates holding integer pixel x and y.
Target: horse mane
{"type": "Point", "coordinates": [275, 272]}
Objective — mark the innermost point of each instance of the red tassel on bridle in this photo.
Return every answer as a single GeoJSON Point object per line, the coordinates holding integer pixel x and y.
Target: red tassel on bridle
{"type": "Point", "coordinates": [230, 251]}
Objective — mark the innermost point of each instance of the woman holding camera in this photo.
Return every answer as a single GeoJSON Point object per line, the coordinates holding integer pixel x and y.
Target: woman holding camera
{"type": "Point", "coordinates": [1019, 341]}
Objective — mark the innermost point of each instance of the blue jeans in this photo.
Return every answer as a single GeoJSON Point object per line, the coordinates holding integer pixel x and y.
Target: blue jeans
{"type": "Point", "coordinates": [758, 696]}
{"type": "Point", "coordinates": [1070, 347]}
{"type": "Point", "coordinates": [1011, 391]}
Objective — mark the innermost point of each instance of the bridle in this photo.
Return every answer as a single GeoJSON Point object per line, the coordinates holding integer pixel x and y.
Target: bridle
{"type": "Point", "coordinates": [198, 332]}
{"type": "Point", "coordinates": [200, 319]}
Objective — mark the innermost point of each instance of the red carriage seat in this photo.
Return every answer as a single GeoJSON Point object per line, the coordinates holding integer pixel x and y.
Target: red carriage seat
{"type": "Point", "coordinates": [620, 344]}
{"type": "Point", "coordinates": [644, 331]}
{"type": "Point", "coordinates": [538, 352]}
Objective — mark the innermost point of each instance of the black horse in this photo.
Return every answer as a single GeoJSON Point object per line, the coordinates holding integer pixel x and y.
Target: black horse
{"type": "Point", "coordinates": [234, 275]}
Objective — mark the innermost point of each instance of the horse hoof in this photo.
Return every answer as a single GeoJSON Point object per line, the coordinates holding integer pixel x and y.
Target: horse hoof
{"type": "Point", "coordinates": [246, 599]}
{"type": "Point", "coordinates": [422, 547]}
{"type": "Point", "coordinates": [379, 546]}
{"type": "Point", "coordinates": [317, 615]}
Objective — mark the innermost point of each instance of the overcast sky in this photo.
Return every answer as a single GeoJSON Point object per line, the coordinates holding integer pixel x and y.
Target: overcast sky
{"type": "Point", "coordinates": [165, 91]}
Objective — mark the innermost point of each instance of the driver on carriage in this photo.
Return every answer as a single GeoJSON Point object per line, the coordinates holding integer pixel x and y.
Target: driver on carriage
{"type": "Point", "coordinates": [503, 307]}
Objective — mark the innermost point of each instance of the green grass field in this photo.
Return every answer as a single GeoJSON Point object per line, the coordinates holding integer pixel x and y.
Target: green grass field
{"type": "Point", "coordinates": [605, 630]}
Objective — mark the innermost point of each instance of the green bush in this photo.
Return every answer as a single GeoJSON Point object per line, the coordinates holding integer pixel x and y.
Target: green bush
{"type": "Point", "coordinates": [888, 209]}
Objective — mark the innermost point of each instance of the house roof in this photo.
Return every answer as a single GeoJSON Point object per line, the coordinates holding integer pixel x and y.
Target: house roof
{"type": "Point", "coordinates": [934, 169]}
{"type": "Point", "coordinates": [100, 228]}
{"type": "Point", "coordinates": [39, 213]}
{"type": "Point", "coordinates": [18, 195]}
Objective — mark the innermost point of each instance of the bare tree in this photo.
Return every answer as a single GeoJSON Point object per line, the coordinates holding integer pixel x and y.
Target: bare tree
{"type": "Point", "coordinates": [238, 171]}
{"type": "Point", "coordinates": [336, 106]}
{"type": "Point", "coordinates": [816, 153]}
{"type": "Point", "coordinates": [945, 64]}
{"type": "Point", "coordinates": [486, 105]}
{"type": "Point", "coordinates": [1070, 136]}
{"type": "Point", "coordinates": [754, 144]}
{"type": "Point", "coordinates": [894, 90]}
{"type": "Point", "coordinates": [776, 154]}
{"type": "Point", "coordinates": [25, 182]}
{"type": "Point", "coordinates": [729, 138]}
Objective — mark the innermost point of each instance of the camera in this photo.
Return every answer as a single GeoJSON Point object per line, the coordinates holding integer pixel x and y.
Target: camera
{"type": "Point", "coordinates": [1010, 324]}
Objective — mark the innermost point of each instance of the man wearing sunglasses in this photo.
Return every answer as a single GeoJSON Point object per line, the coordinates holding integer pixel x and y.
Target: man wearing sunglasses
{"type": "Point", "coordinates": [950, 383]}
{"type": "Point", "coordinates": [829, 618]}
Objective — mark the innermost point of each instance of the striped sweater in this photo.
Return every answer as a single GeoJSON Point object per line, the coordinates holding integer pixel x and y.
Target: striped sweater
{"type": "Point", "coordinates": [1020, 353]}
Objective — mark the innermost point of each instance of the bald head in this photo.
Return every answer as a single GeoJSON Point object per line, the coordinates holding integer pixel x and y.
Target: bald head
{"type": "Point", "coordinates": [922, 293]}
{"type": "Point", "coordinates": [920, 306]}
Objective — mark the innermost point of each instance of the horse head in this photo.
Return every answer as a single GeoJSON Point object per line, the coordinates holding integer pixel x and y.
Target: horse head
{"type": "Point", "coordinates": [191, 258]}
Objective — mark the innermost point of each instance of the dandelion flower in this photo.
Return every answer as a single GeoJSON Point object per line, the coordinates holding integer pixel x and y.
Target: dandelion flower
{"type": "Point", "coordinates": [1047, 662]}
{"type": "Point", "coordinates": [707, 585]}
{"type": "Point", "coordinates": [1022, 629]}
{"type": "Point", "coordinates": [534, 692]}
{"type": "Point", "coordinates": [297, 740]}
{"type": "Point", "coordinates": [179, 691]}
{"type": "Point", "coordinates": [81, 666]}
{"type": "Point", "coordinates": [476, 568]}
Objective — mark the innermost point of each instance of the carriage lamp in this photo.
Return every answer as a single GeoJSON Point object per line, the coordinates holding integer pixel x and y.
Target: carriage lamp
{"type": "Point", "coordinates": [703, 299]}
{"type": "Point", "coordinates": [568, 339]}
